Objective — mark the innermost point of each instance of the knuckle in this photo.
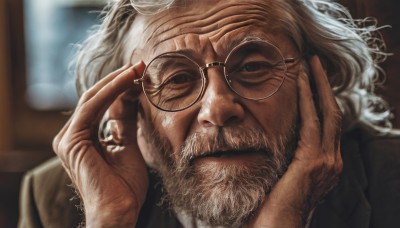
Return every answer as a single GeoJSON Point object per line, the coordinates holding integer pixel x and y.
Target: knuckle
{"type": "Point", "coordinates": [317, 165]}
{"type": "Point", "coordinates": [55, 143]}
{"type": "Point", "coordinates": [62, 148]}
{"type": "Point", "coordinates": [329, 163]}
{"type": "Point", "coordinates": [69, 150]}
{"type": "Point", "coordinates": [339, 166]}
{"type": "Point", "coordinates": [333, 165]}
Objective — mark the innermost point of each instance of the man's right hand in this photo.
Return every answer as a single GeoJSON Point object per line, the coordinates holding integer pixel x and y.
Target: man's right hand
{"type": "Point", "coordinates": [112, 181]}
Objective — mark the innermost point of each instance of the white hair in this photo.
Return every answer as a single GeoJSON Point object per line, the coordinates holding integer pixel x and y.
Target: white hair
{"type": "Point", "coordinates": [349, 49]}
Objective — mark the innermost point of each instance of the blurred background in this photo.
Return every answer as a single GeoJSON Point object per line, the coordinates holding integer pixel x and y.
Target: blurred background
{"type": "Point", "coordinates": [37, 40]}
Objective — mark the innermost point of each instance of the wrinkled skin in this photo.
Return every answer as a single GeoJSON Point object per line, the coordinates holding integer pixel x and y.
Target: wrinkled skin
{"type": "Point", "coordinates": [113, 184]}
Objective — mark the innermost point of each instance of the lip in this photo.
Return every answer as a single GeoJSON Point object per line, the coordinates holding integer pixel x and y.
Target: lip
{"type": "Point", "coordinates": [230, 156]}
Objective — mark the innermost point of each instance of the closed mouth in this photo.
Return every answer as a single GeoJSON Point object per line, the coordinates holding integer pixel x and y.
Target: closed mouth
{"type": "Point", "coordinates": [231, 153]}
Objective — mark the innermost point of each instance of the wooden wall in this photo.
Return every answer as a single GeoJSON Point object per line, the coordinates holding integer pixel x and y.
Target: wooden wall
{"type": "Point", "coordinates": [5, 111]}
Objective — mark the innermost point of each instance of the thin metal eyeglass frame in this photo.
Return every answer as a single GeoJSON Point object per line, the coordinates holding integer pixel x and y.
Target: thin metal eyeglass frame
{"type": "Point", "coordinates": [202, 70]}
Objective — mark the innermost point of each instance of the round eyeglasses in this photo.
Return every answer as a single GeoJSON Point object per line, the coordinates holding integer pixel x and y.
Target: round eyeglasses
{"type": "Point", "coordinates": [254, 70]}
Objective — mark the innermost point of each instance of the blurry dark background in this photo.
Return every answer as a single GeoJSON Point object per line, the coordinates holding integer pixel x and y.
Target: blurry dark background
{"type": "Point", "coordinates": [36, 38]}
{"type": "Point", "coordinates": [36, 86]}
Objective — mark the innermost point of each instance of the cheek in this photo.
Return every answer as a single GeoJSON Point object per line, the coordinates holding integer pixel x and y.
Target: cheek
{"type": "Point", "coordinates": [279, 111]}
{"type": "Point", "coordinates": [172, 126]}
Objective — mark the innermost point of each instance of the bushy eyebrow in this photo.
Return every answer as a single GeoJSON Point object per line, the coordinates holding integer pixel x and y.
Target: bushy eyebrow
{"type": "Point", "coordinates": [227, 47]}
{"type": "Point", "coordinates": [235, 42]}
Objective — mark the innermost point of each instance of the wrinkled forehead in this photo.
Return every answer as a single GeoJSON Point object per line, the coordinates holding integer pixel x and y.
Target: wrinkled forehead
{"type": "Point", "coordinates": [201, 24]}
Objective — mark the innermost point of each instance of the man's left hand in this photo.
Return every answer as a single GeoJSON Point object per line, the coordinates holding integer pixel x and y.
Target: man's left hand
{"type": "Point", "coordinates": [317, 160]}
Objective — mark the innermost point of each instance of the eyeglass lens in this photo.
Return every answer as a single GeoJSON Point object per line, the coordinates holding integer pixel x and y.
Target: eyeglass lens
{"type": "Point", "coordinates": [254, 70]}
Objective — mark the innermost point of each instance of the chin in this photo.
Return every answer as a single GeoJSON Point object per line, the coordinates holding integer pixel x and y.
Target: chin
{"type": "Point", "coordinates": [223, 191]}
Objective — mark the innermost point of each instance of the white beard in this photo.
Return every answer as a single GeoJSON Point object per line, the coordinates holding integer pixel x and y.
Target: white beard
{"type": "Point", "coordinates": [226, 196]}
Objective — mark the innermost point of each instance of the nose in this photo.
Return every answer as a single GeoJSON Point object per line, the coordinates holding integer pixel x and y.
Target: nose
{"type": "Point", "coordinates": [220, 106]}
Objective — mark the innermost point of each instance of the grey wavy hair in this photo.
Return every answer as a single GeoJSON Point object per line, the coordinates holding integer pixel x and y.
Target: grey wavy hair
{"type": "Point", "coordinates": [349, 49]}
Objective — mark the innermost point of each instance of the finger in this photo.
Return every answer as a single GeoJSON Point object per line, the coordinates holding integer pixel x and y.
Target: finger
{"type": "Point", "coordinates": [60, 135]}
{"type": "Point", "coordinates": [321, 80]}
{"type": "Point", "coordinates": [331, 114]}
{"type": "Point", "coordinates": [100, 84]}
{"type": "Point", "coordinates": [118, 132]}
{"type": "Point", "coordinates": [94, 89]}
{"type": "Point", "coordinates": [92, 110]}
{"type": "Point", "coordinates": [125, 106]}
{"type": "Point", "coordinates": [123, 112]}
{"type": "Point", "coordinates": [310, 127]}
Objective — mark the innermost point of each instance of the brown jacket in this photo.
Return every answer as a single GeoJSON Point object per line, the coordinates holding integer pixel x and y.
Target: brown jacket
{"type": "Point", "coordinates": [367, 195]}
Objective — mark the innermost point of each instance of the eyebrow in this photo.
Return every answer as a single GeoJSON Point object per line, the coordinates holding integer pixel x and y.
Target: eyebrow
{"type": "Point", "coordinates": [167, 64]}
{"type": "Point", "coordinates": [226, 47]}
{"type": "Point", "coordinates": [235, 42]}
{"type": "Point", "coordinates": [186, 52]}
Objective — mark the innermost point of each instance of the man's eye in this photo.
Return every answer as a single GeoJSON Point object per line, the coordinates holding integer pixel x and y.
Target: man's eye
{"type": "Point", "coordinates": [180, 78]}
{"type": "Point", "coordinates": [255, 66]}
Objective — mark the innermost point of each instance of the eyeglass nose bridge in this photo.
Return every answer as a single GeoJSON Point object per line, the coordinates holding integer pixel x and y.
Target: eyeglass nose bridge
{"type": "Point", "coordinates": [212, 64]}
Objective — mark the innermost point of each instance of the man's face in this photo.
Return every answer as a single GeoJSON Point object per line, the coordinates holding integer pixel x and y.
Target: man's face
{"type": "Point", "coordinates": [219, 157]}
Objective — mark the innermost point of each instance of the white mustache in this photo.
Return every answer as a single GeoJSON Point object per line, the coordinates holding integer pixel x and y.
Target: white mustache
{"type": "Point", "coordinates": [225, 139]}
